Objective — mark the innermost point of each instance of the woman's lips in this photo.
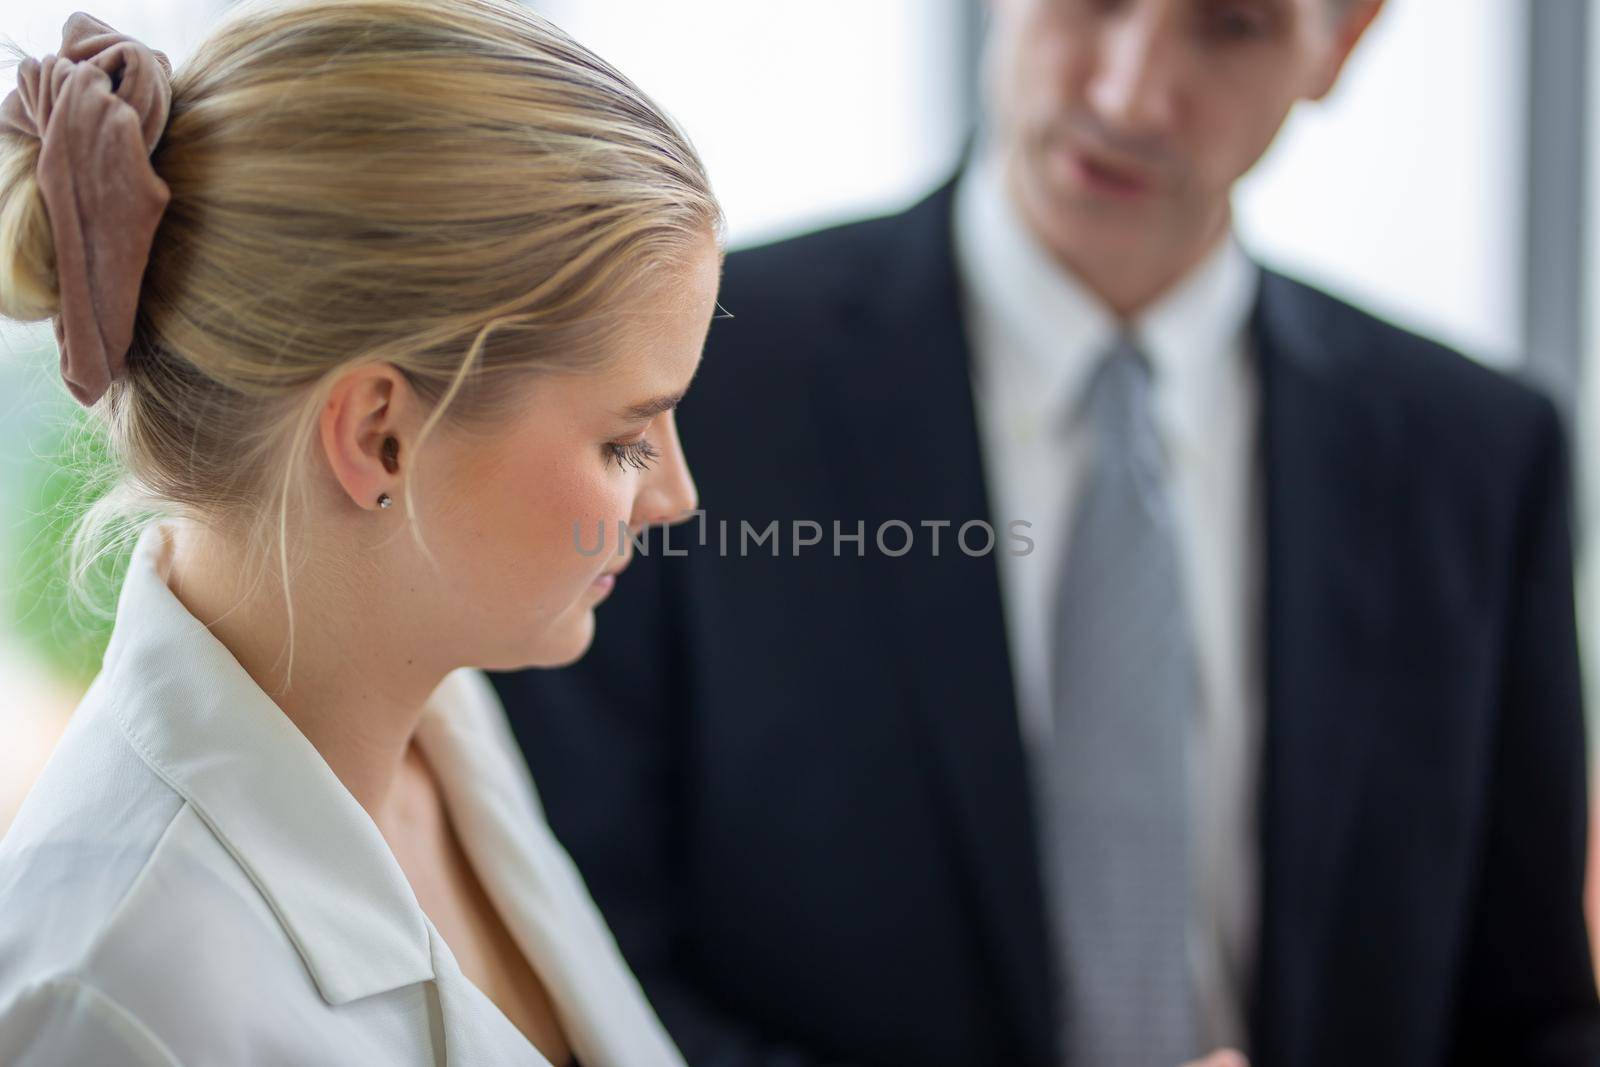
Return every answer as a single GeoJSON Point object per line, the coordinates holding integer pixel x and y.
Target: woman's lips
{"type": "Point", "coordinates": [607, 581]}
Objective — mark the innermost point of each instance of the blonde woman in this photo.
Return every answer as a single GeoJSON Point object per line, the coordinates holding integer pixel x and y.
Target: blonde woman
{"type": "Point", "coordinates": [376, 301]}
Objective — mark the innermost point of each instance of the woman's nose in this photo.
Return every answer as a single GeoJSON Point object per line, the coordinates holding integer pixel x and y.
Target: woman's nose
{"type": "Point", "coordinates": [668, 494]}
{"type": "Point", "coordinates": [657, 507]}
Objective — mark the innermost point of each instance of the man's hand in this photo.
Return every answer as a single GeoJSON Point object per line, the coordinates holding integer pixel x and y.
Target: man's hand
{"type": "Point", "coordinates": [1222, 1058]}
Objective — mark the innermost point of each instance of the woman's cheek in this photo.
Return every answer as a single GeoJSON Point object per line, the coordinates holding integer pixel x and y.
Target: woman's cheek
{"type": "Point", "coordinates": [592, 512]}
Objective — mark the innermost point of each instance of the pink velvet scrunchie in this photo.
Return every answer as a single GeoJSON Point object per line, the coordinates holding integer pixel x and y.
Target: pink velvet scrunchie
{"type": "Point", "coordinates": [98, 108]}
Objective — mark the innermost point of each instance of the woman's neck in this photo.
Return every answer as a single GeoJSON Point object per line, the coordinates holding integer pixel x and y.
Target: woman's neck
{"type": "Point", "coordinates": [359, 678]}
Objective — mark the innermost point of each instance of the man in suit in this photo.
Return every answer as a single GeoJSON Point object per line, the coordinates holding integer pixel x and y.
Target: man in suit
{"type": "Point", "coordinates": [1256, 726]}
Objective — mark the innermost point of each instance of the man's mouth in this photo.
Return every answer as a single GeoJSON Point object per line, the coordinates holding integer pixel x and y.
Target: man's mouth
{"type": "Point", "coordinates": [1109, 176]}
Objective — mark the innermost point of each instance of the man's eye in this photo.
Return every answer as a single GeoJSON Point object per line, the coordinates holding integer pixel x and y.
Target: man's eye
{"type": "Point", "coordinates": [637, 454]}
{"type": "Point", "coordinates": [1238, 24]}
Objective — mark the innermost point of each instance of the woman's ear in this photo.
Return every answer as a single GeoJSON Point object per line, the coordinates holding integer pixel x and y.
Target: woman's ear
{"type": "Point", "coordinates": [360, 431]}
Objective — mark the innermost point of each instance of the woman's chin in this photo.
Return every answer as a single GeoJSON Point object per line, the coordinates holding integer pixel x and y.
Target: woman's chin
{"type": "Point", "coordinates": [566, 644]}
{"type": "Point", "coordinates": [559, 644]}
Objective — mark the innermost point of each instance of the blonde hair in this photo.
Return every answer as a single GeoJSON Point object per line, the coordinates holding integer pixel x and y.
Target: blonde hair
{"type": "Point", "coordinates": [454, 187]}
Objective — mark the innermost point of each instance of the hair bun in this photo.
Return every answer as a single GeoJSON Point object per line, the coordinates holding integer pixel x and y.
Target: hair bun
{"type": "Point", "coordinates": [96, 110]}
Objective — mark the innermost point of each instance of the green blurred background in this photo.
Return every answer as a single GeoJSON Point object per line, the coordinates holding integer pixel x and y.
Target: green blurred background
{"type": "Point", "coordinates": [56, 459]}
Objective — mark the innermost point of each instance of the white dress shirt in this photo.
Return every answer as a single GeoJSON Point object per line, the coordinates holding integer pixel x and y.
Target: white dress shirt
{"type": "Point", "coordinates": [189, 883]}
{"type": "Point", "coordinates": [1036, 334]}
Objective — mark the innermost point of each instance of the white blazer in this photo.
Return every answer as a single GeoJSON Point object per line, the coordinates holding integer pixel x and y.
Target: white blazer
{"type": "Point", "coordinates": [189, 883]}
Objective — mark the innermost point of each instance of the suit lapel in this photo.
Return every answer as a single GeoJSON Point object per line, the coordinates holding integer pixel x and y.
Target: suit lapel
{"type": "Point", "coordinates": [1330, 454]}
{"type": "Point", "coordinates": [903, 438]}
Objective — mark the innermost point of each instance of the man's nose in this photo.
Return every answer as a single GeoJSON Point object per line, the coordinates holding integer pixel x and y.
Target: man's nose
{"type": "Point", "coordinates": [1133, 87]}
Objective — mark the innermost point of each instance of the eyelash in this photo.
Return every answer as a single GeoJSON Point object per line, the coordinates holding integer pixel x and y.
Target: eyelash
{"type": "Point", "coordinates": [637, 454]}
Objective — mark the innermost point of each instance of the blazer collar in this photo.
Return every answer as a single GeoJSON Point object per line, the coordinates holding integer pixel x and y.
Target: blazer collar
{"type": "Point", "coordinates": [202, 723]}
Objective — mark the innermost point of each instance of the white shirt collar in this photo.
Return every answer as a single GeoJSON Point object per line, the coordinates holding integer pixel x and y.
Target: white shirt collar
{"type": "Point", "coordinates": [204, 725]}
{"type": "Point", "coordinates": [1045, 331]}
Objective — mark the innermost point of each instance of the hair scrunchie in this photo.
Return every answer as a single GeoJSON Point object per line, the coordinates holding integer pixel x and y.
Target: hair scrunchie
{"type": "Point", "coordinates": [98, 109]}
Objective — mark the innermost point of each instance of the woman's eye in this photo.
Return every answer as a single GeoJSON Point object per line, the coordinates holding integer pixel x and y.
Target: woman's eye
{"type": "Point", "coordinates": [637, 454]}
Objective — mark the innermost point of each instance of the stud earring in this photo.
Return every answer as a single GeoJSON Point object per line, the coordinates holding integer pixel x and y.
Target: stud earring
{"type": "Point", "coordinates": [390, 455]}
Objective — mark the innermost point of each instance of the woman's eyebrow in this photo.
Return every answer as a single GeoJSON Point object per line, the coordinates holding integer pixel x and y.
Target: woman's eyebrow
{"type": "Point", "coordinates": [649, 409]}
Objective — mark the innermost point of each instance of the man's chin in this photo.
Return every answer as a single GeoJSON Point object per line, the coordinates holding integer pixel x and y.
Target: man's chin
{"type": "Point", "coordinates": [1073, 222]}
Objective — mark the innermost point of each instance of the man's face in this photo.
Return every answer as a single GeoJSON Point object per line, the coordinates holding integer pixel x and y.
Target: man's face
{"type": "Point", "coordinates": [1126, 123]}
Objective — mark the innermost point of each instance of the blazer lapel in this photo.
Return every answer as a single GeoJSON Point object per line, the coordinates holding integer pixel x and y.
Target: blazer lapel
{"type": "Point", "coordinates": [902, 435]}
{"type": "Point", "coordinates": [537, 893]}
{"type": "Point", "coordinates": [1329, 452]}
{"type": "Point", "coordinates": [473, 1030]}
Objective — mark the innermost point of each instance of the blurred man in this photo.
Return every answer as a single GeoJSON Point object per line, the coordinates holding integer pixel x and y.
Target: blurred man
{"type": "Point", "coordinates": [1256, 723]}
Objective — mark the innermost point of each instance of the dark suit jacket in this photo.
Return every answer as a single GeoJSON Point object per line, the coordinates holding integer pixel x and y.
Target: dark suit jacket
{"type": "Point", "coordinates": [796, 787]}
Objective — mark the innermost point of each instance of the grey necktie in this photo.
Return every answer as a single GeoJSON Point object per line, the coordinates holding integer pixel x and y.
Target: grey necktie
{"type": "Point", "coordinates": [1117, 796]}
